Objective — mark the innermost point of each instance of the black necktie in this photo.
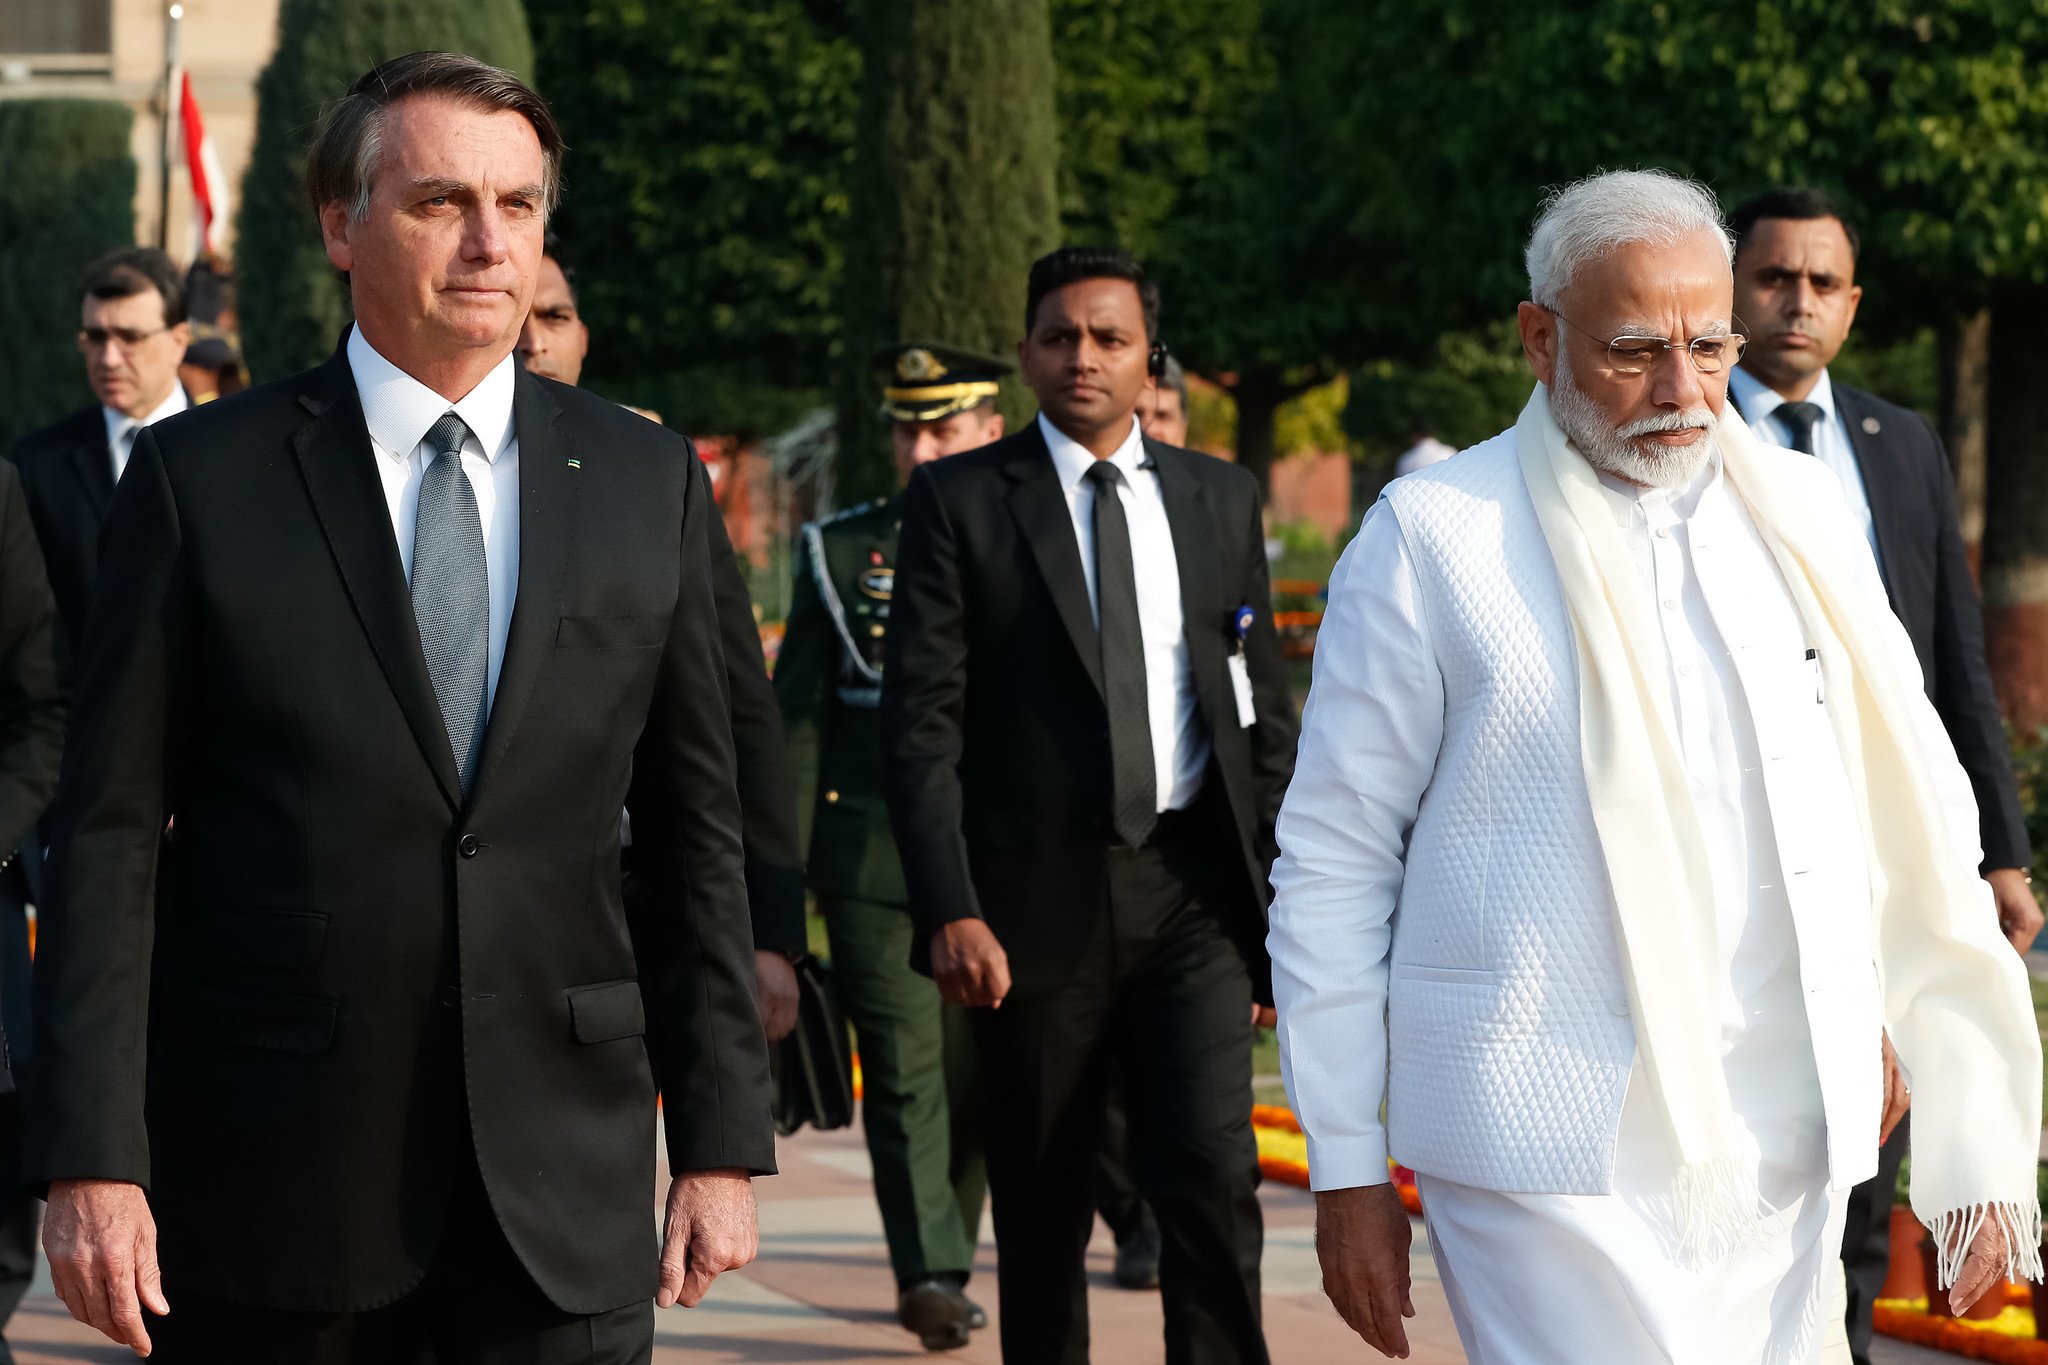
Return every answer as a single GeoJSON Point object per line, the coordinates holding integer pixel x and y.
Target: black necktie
{"type": "Point", "coordinates": [1800, 419]}
{"type": "Point", "coordinates": [1134, 795]}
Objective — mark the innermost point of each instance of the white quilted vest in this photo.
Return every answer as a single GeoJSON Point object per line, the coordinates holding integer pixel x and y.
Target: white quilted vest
{"type": "Point", "coordinates": [1509, 1037]}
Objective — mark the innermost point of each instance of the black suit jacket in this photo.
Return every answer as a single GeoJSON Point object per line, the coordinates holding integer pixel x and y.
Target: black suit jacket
{"type": "Point", "coordinates": [994, 727]}
{"type": "Point", "coordinates": [1926, 570]}
{"type": "Point", "coordinates": [346, 977]}
{"type": "Point", "coordinates": [67, 475]}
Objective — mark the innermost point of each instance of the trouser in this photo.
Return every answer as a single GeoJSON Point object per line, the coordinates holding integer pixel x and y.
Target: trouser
{"type": "Point", "coordinates": [918, 1102]}
{"type": "Point", "coordinates": [1163, 994]}
{"type": "Point", "coordinates": [20, 1213]}
{"type": "Point", "coordinates": [1116, 1194]}
{"type": "Point", "coordinates": [1867, 1240]}
{"type": "Point", "coordinates": [476, 1306]}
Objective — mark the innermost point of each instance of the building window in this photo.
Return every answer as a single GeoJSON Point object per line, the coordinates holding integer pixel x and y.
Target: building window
{"type": "Point", "coordinates": [57, 27]}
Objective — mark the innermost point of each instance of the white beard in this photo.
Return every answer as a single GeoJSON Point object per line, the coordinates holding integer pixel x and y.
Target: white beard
{"type": "Point", "coordinates": [1613, 450]}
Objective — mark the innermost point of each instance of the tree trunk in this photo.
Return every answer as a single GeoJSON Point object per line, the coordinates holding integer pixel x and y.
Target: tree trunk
{"type": "Point", "coordinates": [954, 197]}
{"type": "Point", "coordinates": [1965, 397]}
{"type": "Point", "coordinates": [2016, 505]}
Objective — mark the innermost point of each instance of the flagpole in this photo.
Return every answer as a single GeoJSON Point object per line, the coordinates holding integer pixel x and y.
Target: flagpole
{"type": "Point", "coordinates": [173, 18]}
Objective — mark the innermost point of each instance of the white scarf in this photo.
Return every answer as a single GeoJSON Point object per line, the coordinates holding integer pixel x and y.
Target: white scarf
{"type": "Point", "coordinates": [1956, 1001]}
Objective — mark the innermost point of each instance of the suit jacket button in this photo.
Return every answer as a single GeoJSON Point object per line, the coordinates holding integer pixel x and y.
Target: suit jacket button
{"type": "Point", "coordinates": [831, 797]}
{"type": "Point", "coordinates": [468, 846]}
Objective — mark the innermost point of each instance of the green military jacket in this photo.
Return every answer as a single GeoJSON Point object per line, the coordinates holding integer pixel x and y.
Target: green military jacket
{"type": "Point", "coordinates": [828, 679]}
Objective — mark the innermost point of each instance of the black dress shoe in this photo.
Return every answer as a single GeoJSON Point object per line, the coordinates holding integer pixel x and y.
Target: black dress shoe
{"type": "Point", "coordinates": [936, 1312]}
{"type": "Point", "coordinates": [1137, 1259]}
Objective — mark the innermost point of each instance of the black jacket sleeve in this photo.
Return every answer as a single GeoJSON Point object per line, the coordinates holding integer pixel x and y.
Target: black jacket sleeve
{"type": "Point", "coordinates": [32, 700]}
{"type": "Point", "coordinates": [775, 866]}
{"type": "Point", "coordinates": [924, 705]}
{"type": "Point", "coordinates": [1961, 685]}
{"type": "Point", "coordinates": [1273, 737]}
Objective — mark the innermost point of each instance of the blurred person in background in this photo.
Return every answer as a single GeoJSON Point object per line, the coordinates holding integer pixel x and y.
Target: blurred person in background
{"type": "Point", "coordinates": [1163, 410]}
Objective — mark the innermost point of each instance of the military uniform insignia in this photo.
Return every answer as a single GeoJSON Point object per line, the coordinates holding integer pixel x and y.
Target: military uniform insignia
{"type": "Point", "coordinates": [878, 583]}
{"type": "Point", "coordinates": [917, 365]}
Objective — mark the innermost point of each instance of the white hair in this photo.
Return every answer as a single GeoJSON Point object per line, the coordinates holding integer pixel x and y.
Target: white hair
{"type": "Point", "coordinates": [1590, 218]}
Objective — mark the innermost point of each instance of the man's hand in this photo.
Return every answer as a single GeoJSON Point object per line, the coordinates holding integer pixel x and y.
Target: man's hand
{"type": "Point", "coordinates": [1362, 1238]}
{"type": "Point", "coordinates": [1983, 1266]}
{"type": "Point", "coordinates": [1264, 1016]}
{"type": "Point", "coordinates": [101, 1241]}
{"type": "Point", "coordinates": [1898, 1096]}
{"type": "Point", "coordinates": [710, 1229]}
{"type": "Point", "coordinates": [968, 964]}
{"type": "Point", "coordinates": [775, 994]}
{"type": "Point", "coordinates": [2019, 914]}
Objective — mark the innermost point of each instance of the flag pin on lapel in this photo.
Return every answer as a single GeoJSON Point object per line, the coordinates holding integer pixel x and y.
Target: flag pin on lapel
{"type": "Point", "coordinates": [575, 464]}
{"type": "Point", "coordinates": [1872, 425]}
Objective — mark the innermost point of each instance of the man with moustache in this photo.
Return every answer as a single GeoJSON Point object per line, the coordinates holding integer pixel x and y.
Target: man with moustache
{"type": "Point", "coordinates": [1796, 292]}
{"type": "Point", "coordinates": [919, 1096]}
{"type": "Point", "coordinates": [363, 1068]}
{"type": "Point", "coordinates": [553, 343]}
{"type": "Point", "coordinates": [1622, 848]}
{"type": "Point", "coordinates": [1086, 732]}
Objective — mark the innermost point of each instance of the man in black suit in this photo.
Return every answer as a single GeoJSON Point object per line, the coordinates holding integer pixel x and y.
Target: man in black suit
{"type": "Point", "coordinates": [388, 645]}
{"type": "Point", "coordinates": [1087, 734]}
{"type": "Point", "coordinates": [1795, 299]}
{"type": "Point", "coordinates": [553, 342]}
{"type": "Point", "coordinates": [132, 333]}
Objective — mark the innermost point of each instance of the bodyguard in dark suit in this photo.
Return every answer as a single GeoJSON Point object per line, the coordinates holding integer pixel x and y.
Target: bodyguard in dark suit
{"type": "Point", "coordinates": [1087, 736]}
{"type": "Point", "coordinates": [1795, 299]}
{"type": "Point", "coordinates": [367, 1063]}
{"type": "Point", "coordinates": [132, 334]}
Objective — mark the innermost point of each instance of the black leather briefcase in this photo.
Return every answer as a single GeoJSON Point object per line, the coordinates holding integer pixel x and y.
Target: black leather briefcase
{"type": "Point", "coordinates": [813, 1066]}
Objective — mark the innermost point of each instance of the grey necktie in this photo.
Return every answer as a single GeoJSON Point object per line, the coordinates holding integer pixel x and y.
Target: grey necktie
{"type": "Point", "coordinates": [451, 591]}
{"type": "Point", "coordinates": [1799, 420]}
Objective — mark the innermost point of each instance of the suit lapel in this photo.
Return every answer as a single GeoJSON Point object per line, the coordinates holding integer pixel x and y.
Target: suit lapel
{"type": "Point", "coordinates": [1884, 482]}
{"type": "Point", "coordinates": [1189, 517]}
{"type": "Point", "coordinates": [335, 458]}
{"type": "Point", "coordinates": [1040, 508]}
{"type": "Point", "coordinates": [92, 464]}
{"type": "Point", "coordinates": [547, 519]}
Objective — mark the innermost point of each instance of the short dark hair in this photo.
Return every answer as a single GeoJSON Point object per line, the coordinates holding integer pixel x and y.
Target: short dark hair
{"type": "Point", "coordinates": [1798, 203]}
{"type": "Point", "coordinates": [341, 163]}
{"type": "Point", "coordinates": [136, 270]}
{"type": "Point", "coordinates": [1073, 264]}
{"type": "Point", "coordinates": [551, 248]}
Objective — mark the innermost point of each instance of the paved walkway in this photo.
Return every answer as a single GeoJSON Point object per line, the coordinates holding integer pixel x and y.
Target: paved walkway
{"type": "Point", "coordinates": [821, 1292]}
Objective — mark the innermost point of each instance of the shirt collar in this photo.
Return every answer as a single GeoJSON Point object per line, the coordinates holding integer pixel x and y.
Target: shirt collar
{"type": "Point", "coordinates": [1759, 400]}
{"type": "Point", "coordinates": [1073, 460]}
{"type": "Point", "coordinates": [117, 421]}
{"type": "Point", "coordinates": [398, 409]}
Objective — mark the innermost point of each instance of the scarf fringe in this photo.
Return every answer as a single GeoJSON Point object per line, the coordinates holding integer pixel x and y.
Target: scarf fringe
{"type": "Point", "coordinates": [1716, 1206]}
{"type": "Point", "coordinates": [1956, 1229]}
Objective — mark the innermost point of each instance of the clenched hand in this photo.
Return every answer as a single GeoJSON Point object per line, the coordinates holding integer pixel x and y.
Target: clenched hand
{"type": "Point", "coordinates": [1362, 1238]}
{"type": "Point", "coordinates": [775, 993]}
{"type": "Point", "coordinates": [710, 1229]}
{"type": "Point", "coordinates": [101, 1241]}
{"type": "Point", "coordinates": [969, 965]}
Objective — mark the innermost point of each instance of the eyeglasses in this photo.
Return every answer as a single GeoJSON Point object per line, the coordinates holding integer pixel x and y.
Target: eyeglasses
{"type": "Point", "coordinates": [125, 338]}
{"type": "Point", "coordinates": [1635, 355]}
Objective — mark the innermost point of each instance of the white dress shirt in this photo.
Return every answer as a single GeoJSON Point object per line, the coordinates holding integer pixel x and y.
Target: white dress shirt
{"type": "Point", "coordinates": [398, 410]}
{"type": "Point", "coordinates": [121, 428]}
{"type": "Point", "coordinates": [1180, 744]}
{"type": "Point", "coordinates": [1831, 445]}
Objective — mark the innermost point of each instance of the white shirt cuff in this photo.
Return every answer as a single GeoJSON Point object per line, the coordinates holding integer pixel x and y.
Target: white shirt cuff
{"type": "Point", "coordinates": [1347, 1162]}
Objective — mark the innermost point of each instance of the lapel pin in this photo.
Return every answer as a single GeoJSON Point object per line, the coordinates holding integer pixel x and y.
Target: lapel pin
{"type": "Point", "coordinates": [575, 464]}
{"type": "Point", "coordinates": [1872, 426]}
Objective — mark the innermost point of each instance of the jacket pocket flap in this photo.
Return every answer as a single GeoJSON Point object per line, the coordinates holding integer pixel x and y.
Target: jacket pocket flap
{"type": "Point", "coordinates": [281, 1023]}
{"type": "Point", "coordinates": [603, 1013]}
{"type": "Point", "coordinates": [267, 938]}
{"type": "Point", "coordinates": [610, 632]}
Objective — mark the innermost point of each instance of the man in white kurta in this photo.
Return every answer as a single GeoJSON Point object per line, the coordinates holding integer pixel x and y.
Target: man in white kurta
{"type": "Point", "coordinates": [1445, 933]}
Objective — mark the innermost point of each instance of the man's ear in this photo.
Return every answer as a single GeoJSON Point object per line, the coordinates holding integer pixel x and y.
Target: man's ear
{"type": "Point", "coordinates": [1538, 327]}
{"type": "Point", "coordinates": [334, 230]}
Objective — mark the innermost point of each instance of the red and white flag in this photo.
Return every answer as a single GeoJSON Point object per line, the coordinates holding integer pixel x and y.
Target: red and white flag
{"type": "Point", "coordinates": [209, 184]}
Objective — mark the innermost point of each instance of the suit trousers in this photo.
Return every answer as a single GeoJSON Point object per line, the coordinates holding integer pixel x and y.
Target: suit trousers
{"type": "Point", "coordinates": [1162, 994]}
{"type": "Point", "coordinates": [476, 1306]}
{"type": "Point", "coordinates": [1867, 1240]}
{"type": "Point", "coordinates": [919, 1107]}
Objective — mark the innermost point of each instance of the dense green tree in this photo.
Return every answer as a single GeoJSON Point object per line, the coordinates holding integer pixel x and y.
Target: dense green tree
{"type": "Point", "coordinates": [710, 149]}
{"type": "Point", "coordinates": [954, 194]}
{"type": "Point", "coordinates": [70, 196]}
{"type": "Point", "coordinates": [292, 303]}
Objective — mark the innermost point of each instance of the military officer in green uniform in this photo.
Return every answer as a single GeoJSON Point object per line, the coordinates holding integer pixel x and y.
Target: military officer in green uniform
{"type": "Point", "coordinates": [916, 1053]}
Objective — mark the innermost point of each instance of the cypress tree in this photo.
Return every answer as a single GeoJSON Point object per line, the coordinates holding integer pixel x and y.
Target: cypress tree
{"type": "Point", "coordinates": [954, 195]}
{"type": "Point", "coordinates": [292, 303]}
{"type": "Point", "coordinates": [70, 197]}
